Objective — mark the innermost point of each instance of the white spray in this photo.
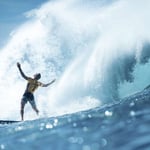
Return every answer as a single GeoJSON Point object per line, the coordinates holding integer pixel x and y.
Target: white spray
{"type": "Point", "coordinates": [78, 43]}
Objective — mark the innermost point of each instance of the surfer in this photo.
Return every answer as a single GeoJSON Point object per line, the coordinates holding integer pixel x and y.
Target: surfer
{"type": "Point", "coordinates": [32, 85]}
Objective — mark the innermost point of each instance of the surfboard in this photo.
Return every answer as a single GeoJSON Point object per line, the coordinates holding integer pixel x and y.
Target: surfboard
{"type": "Point", "coordinates": [8, 121]}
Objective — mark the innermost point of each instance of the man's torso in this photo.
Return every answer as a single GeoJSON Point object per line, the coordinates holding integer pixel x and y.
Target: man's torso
{"type": "Point", "coordinates": [32, 85]}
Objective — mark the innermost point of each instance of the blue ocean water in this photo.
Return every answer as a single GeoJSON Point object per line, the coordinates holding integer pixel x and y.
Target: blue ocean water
{"type": "Point", "coordinates": [98, 51]}
{"type": "Point", "coordinates": [120, 126]}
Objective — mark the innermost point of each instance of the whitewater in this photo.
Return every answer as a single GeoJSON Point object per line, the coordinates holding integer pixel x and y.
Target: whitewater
{"type": "Point", "coordinates": [98, 51]}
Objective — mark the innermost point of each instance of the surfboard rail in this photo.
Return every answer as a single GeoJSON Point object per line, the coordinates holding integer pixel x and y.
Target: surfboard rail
{"type": "Point", "coordinates": [8, 121]}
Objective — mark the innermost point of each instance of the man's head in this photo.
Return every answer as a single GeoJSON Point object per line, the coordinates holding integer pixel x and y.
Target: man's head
{"type": "Point", "coordinates": [37, 76]}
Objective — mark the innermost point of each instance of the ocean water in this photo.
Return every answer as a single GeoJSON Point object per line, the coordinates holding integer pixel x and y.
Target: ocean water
{"type": "Point", "coordinates": [98, 51]}
{"type": "Point", "coordinates": [120, 126]}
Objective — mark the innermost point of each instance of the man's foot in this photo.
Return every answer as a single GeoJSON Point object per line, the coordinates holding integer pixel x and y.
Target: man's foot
{"type": "Point", "coordinates": [37, 112]}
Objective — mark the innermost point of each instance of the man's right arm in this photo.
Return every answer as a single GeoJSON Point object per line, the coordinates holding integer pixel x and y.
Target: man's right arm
{"type": "Point", "coordinates": [21, 72]}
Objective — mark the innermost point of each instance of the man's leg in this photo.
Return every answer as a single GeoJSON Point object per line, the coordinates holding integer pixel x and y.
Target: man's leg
{"type": "Point", "coordinates": [22, 110]}
{"type": "Point", "coordinates": [32, 102]}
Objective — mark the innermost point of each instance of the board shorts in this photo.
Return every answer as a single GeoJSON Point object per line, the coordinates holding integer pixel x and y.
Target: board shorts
{"type": "Point", "coordinates": [28, 97]}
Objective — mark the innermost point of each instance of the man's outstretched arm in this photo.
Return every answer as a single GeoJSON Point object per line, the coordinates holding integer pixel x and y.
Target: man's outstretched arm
{"type": "Point", "coordinates": [45, 85]}
{"type": "Point", "coordinates": [21, 72]}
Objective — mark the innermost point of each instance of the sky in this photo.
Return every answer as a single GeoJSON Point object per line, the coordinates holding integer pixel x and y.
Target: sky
{"type": "Point", "coordinates": [12, 14]}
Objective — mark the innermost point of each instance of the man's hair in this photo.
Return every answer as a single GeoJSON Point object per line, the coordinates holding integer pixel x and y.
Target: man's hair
{"type": "Point", "coordinates": [37, 75]}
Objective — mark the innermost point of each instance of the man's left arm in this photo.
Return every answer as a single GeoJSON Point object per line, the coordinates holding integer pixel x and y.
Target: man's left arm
{"type": "Point", "coordinates": [45, 85]}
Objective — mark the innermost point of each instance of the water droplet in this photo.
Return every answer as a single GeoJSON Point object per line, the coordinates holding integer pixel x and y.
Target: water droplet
{"type": "Point", "coordinates": [108, 113]}
{"type": "Point", "coordinates": [132, 104]}
{"type": "Point", "coordinates": [82, 115]}
{"type": "Point", "coordinates": [85, 129]}
{"type": "Point", "coordinates": [49, 126]}
{"type": "Point", "coordinates": [23, 140]}
{"type": "Point", "coordinates": [69, 120]}
{"type": "Point", "coordinates": [89, 115]}
{"type": "Point", "coordinates": [41, 128]}
{"type": "Point", "coordinates": [78, 140]}
{"type": "Point", "coordinates": [2, 146]}
{"type": "Point", "coordinates": [42, 124]}
{"type": "Point", "coordinates": [74, 124]}
{"type": "Point", "coordinates": [19, 128]}
{"type": "Point", "coordinates": [104, 142]}
{"type": "Point", "coordinates": [72, 140]}
{"type": "Point", "coordinates": [55, 122]}
{"type": "Point", "coordinates": [132, 113]}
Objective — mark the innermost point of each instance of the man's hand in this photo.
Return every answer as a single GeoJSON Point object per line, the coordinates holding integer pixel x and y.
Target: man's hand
{"type": "Point", "coordinates": [18, 65]}
{"type": "Point", "coordinates": [53, 80]}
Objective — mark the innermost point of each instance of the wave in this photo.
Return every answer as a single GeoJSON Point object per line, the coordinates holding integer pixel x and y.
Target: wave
{"type": "Point", "coordinates": [94, 49]}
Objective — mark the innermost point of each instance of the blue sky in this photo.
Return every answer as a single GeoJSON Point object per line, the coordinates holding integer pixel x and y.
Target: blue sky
{"type": "Point", "coordinates": [12, 14]}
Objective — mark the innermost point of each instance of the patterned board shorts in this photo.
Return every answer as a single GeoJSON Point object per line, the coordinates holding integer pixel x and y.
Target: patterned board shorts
{"type": "Point", "coordinates": [28, 97]}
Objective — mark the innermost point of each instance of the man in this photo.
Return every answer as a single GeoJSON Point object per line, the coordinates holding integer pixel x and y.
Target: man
{"type": "Point", "coordinates": [32, 85]}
